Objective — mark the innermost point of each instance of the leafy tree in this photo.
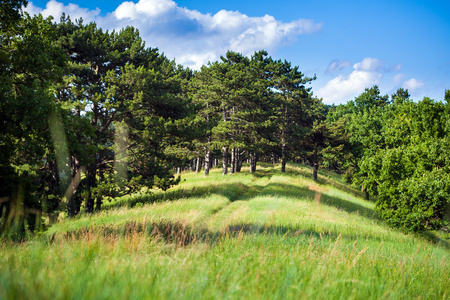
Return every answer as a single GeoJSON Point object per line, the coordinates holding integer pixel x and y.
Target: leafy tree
{"type": "Point", "coordinates": [370, 98]}
{"type": "Point", "coordinates": [314, 143]}
{"type": "Point", "coordinates": [408, 176]}
{"type": "Point", "coordinates": [339, 156]}
{"type": "Point", "coordinates": [323, 141]}
{"type": "Point", "coordinates": [30, 61]}
{"type": "Point", "coordinates": [362, 122]}
{"type": "Point", "coordinates": [10, 14]}
{"type": "Point", "coordinates": [203, 93]}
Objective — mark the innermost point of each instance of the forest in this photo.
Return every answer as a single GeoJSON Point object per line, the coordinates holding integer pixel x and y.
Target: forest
{"type": "Point", "coordinates": [89, 115]}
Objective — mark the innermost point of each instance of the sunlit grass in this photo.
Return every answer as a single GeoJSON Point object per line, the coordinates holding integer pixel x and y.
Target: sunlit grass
{"type": "Point", "coordinates": [265, 235]}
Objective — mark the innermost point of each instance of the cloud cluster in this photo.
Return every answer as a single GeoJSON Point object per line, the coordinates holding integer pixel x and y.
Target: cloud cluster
{"type": "Point", "coordinates": [55, 9]}
{"type": "Point", "coordinates": [413, 84]}
{"type": "Point", "coordinates": [189, 36]}
{"type": "Point", "coordinates": [344, 87]}
{"type": "Point", "coordinates": [366, 73]}
{"type": "Point", "coordinates": [337, 65]}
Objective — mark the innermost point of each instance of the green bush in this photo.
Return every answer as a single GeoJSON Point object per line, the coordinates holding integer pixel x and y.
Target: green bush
{"type": "Point", "coordinates": [412, 185]}
{"type": "Point", "coordinates": [417, 203]}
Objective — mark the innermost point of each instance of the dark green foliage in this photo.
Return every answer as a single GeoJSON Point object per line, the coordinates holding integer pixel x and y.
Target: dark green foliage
{"type": "Point", "coordinates": [10, 12]}
{"type": "Point", "coordinates": [421, 204]}
{"type": "Point", "coordinates": [128, 100]}
{"type": "Point", "coordinates": [400, 156]}
{"type": "Point", "coordinates": [236, 108]}
{"type": "Point", "coordinates": [296, 109]}
{"type": "Point", "coordinates": [411, 184]}
{"type": "Point", "coordinates": [30, 62]}
{"type": "Point", "coordinates": [253, 108]}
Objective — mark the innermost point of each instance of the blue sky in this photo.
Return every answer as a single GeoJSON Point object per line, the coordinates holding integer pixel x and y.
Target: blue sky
{"type": "Point", "coordinates": [349, 45]}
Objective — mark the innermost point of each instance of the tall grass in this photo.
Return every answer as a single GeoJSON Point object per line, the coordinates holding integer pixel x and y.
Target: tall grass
{"type": "Point", "coordinates": [267, 235]}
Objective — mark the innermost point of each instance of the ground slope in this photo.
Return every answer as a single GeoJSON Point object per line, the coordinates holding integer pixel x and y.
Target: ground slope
{"type": "Point", "coordinates": [264, 235]}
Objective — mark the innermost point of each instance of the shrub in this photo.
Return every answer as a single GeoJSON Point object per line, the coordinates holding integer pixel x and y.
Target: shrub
{"type": "Point", "coordinates": [417, 203]}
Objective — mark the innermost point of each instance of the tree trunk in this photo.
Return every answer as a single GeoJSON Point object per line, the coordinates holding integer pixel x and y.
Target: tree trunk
{"type": "Point", "coordinates": [315, 170]}
{"type": "Point", "coordinates": [253, 160]}
{"type": "Point", "coordinates": [366, 192]}
{"type": "Point", "coordinates": [233, 161]}
{"type": "Point", "coordinates": [197, 167]}
{"type": "Point", "coordinates": [74, 205]}
{"type": "Point", "coordinates": [92, 168]}
{"type": "Point", "coordinates": [238, 160]}
{"type": "Point", "coordinates": [283, 138]}
{"type": "Point", "coordinates": [98, 204]}
{"type": "Point", "coordinates": [208, 151]}
{"type": "Point", "coordinates": [90, 203]}
{"type": "Point", "coordinates": [224, 160]}
{"type": "Point", "coordinates": [283, 156]}
{"type": "Point", "coordinates": [91, 182]}
{"type": "Point", "coordinates": [207, 158]}
{"type": "Point", "coordinates": [73, 198]}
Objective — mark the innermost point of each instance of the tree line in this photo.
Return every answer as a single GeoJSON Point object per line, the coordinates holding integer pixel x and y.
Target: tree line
{"type": "Point", "coordinates": [88, 114]}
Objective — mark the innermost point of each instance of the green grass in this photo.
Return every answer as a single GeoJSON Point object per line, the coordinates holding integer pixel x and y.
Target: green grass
{"type": "Point", "coordinates": [267, 235]}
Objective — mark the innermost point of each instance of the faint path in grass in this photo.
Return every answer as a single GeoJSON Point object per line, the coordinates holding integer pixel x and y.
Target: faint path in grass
{"type": "Point", "coordinates": [245, 193]}
{"type": "Point", "coordinates": [262, 196]}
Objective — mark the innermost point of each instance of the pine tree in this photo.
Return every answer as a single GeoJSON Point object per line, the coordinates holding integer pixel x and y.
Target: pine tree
{"type": "Point", "coordinates": [131, 96]}
{"type": "Point", "coordinates": [295, 104]}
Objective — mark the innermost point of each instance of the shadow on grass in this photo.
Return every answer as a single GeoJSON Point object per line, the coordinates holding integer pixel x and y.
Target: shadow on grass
{"type": "Point", "coordinates": [266, 173]}
{"type": "Point", "coordinates": [239, 191]}
{"type": "Point", "coordinates": [300, 193]}
{"type": "Point", "coordinates": [232, 191]}
{"type": "Point", "coordinates": [181, 235]}
{"type": "Point", "coordinates": [305, 171]}
{"type": "Point", "coordinates": [435, 239]}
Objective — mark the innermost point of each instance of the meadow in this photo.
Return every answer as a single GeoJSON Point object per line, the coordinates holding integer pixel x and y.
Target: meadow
{"type": "Point", "coordinates": [266, 235]}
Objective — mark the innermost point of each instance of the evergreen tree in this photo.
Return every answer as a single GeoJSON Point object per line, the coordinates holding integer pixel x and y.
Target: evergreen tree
{"type": "Point", "coordinates": [295, 103]}
{"type": "Point", "coordinates": [130, 96]}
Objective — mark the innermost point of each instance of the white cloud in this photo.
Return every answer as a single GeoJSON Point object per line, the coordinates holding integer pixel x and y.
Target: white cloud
{"type": "Point", "coordinates": [413, 84]}
{"type": "Point", "coordinates": [196, 60]}
{"type": "Point", "coordinates": [399, 78]}
{"type": "Point", "coordinates": [337, 65]}
{"type": "Point", "coordinates": [189, 36]}
{"type": "Point", "coordinates": [31, 9]}
{"type": "Point", "coordinates": [369, 64]}
{"type": "Point", "coordinates": [144, 9]}
{"type": "Point", "coordinates": [397, 67]}
{"type": "Point", "coordinates": [345, 87]}
{"type": "Point", "coordinates": [55, 9]}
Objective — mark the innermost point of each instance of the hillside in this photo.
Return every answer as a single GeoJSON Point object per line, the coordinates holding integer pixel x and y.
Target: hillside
{"type": "Point", "coordinates": [264, 235]}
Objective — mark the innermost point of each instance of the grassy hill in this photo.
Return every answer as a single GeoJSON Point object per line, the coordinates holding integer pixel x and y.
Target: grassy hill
{"type": "Point", "coordinates": [267, 235]}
